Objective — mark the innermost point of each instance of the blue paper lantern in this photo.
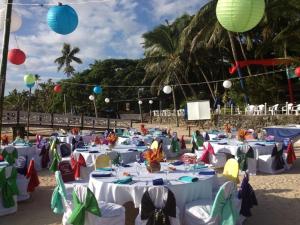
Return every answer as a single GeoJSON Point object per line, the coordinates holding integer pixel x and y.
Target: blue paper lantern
{"type": "Point", "coordinates": [29, 80]}
{"type": "Point", "coordinates": [62, 19]}
{"type": "Point", "coordinates": [30, 85]}
{"type": "Point", "coordinates": [97, 90]}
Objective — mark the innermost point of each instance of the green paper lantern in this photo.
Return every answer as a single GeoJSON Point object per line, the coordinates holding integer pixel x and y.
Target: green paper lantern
{"type": "Point", "coordinates": [29, 79]}
{"type": "Point", "coordinates": [240, 15]}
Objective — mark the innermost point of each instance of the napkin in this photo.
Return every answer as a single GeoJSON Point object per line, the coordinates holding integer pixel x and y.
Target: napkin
{"type": "Point", "coordinates": [132, 150]}
{"type": "Point", "coordinates": [207, 172]}
{"type": "Point", "coordinates": [101, 174]}
{"type": "Point", "coordinates": [81, 149]}
{"type": "Point", "coordinates": [200, 166]}
{"type": "Point", "coordinates": [159, 181]}
{"type": "Point", "coordinates": [104, 169]}
{"type": "Point", "coordinates": [188, 179]}
{"type": "Point", "coordinates": [125, 165]}
{"type": "Point", "coordinates": [222, 143]}
{"type": "Point", "coordinates": [94, 151]}
{"type": "Point", "coordinates": [177, 163]}
{"type": "Point", "coordinates": [125, 180]}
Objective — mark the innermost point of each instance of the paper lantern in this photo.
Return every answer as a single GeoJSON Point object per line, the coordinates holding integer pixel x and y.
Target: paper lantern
{"type": "Point", "coordinates": [140, 102]}
{"type": "Point", "coordinates": [227, 84]}
{"type": "Point", "coordinates": [240, 15]}
{"type": "Point", "coordinates": [97, 90]}
{"type": "Point", "coordinates": [29, 80]}
{"type": "Point", "coordinates": [92, 97]}
{"type": "Point", "coordinates": [107, 100]}
{"type": "Point", "coordinates": [167, 89]}
{"type": "Point", "coordinates": [57, 88]}
{"type": "Point", "coordinates": [150, 102]}
{"type": "Point", "coordinates": [62, 19]}
{"type": "Point", "coordinates": [16, 20]}
{"type": "Point", "coordinates": [297, 71]}
{"type": "Point", "coordinates": [16, 56]}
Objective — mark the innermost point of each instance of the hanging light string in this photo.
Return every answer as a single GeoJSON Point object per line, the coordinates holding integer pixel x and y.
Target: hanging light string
{"type": "Point", "coordinates": [53, 4]}
{"type": "Point", "coordinates": [175, 85]}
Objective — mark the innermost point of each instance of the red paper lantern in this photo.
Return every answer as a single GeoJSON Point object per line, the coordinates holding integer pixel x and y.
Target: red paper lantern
{"type": "Point", "coordinates": [57, 88]}
{"type": "Point", "coordinates": [297, 71]}
{"type": "Point", "coordinates": [16, 56]}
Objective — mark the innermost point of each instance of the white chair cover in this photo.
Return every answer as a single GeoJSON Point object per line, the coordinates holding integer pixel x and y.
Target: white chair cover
{"type": "Point", "coordinates": [265, 164]}
{"type": "Point", "coordinates": [112, 214]}
{"type": "Point", "coordinates": [198, 212]}
{"type": "Point", "coordinates": [159, 198]}
{"type": "Point", "coordinates": [22, 183]}
{"type": "Point", "coordinates": [6, 211]}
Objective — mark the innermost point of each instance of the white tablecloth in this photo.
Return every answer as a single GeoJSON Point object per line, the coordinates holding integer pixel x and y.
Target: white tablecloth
{"type": "Point", "coordinates": [232, 146]}
{"type": "Point", "coordinates": [68, 138]}
{"type": "Point", "coordinates": [105, 190]}
{"type": "Point", "coordinates": [25, 150]}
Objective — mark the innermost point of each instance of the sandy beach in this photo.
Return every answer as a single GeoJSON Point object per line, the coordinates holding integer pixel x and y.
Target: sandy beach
{"type": "Point", "coordinates": [278, 198]}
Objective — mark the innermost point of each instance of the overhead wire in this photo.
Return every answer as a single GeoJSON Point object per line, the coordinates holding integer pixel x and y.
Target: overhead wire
{"type": "Point", "coordinates": [53, 4]}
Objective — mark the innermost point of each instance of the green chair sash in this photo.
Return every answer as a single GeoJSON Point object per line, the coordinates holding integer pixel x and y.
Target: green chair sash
{"type": "Point", "coordinates": [59, 195]}
{"type": "Point", "coordinates": [80, 208]}
{"type": "Point", "coordinates": [8, 187]}
{"type": "Point", "coordinates": [10, 157]}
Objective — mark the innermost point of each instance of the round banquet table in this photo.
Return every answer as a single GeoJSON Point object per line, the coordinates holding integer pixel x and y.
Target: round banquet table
{"type": "Point", "coordinates": [105, 190]}
{"type": "Point", "coordinates": [68, 138]}
{"type": "Point", "coordinates": [25, 150]}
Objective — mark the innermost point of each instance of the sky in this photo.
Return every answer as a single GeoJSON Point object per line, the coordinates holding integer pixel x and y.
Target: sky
{"type": "Point", "coordinates": [106, 29]}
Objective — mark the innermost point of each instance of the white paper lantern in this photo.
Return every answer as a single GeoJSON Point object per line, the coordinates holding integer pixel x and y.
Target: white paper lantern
{"type": "Point", "coordinates": [92, 97]}
{"type": "Point", "coordinates": [107, 100]}
{"type": "Point", "coordinates": [16, 20]}
{"type": "Point", "coordinates": [227, 84]}
{"type": "Point", "coordinates": [167, 89]}
{"type": "Point", "coordinates": [140, 102]}
{"type": "Point", "coordinates": [150, 102]}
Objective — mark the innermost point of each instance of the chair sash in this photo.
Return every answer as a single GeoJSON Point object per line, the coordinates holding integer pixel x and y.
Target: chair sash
{"type": "Point", "coordinates": [102, 161]}
{"type": "Point", "coordinates": [33, 177]}
{"type": "Point", "coordinates": [182, 142]}
{"type": "Point", "coordinates": [56, 158]}
{"type": "Point", "coordinates": [247, 195]}
{"type": "Point", "coordinates": [223, 206]}
{"type": "Point", "coordinates": [291, 156]}
{"type": "Point", "coordinates": [10, 157]}
{"type": "Point", "coordinates": [76, 164]}
{"type": "Point", "coordinates": [59, 195]}
{"type": "Point", "coordinates": [175, 145]}
{"type": "Point", "coordinates": [197, 140]}
{"type": "Point", "coordinates": [81, 206]}
{"type": "Point", "coordinates": [206, 138]}
{"type": "Point", "coordinates": [209, 150]}
{"type": "Point", "coordinates": [278, 162]}
{"type": "Point", "coordinates": [8, 186]}
{"type": "Point", "coordinates": [158, 216]}
{"type": "Point", "coordinates": [44, 156]}
{"type": "Point", "coordinates": [243, 157]}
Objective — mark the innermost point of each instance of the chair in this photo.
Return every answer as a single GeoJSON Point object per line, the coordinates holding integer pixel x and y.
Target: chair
{"type": "Point", "coordinates": [296, 109]}
{"type": "Point", "coordinates": [289, 156]}
{"type": "Point", "coordinates": [65, 151]}
{"type": "Point", "coordinates": [154, 145]}
{"type": "Point", "coordinates": [273, 109]}
{"type": "Point", "coordinates": [158, 204]}
{"type": "Point", "coordinates": [8, 190]}
{"type": "Point", "coordinates": [287, 108]}
{"type": "Point", "coordinates": [231, 170]}
{"type": "Point", "coordinates": [273, 163]}
{"type": "Point", "coordinates": [10, 154]}
{"type": "Point", "coordinates": [85, 203]}
{"type": "Point", "coordinates": [224, 209]}
{"type": "Point", "coordinates": [102, 161]}
{"type": "Point", "coordinates": [247, 159]}
{"type": "Point", "coordinates": [250, 109]}
{"type": "Point", "coordinates": [218, 160]}
{"type": "Point", "coordinates": [77, 164]}
{"type": "Point", "coordinates": [260, 110]}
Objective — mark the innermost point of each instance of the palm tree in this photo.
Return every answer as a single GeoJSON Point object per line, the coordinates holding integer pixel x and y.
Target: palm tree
{"type": "Point", "coordinates": [68, 56]}
{"type": "Point", "coordinates": [164, 63]}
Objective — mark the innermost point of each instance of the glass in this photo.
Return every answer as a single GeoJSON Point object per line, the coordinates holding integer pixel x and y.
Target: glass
{"type": "Point", "coordinates": [138, 169]}
{"type": "Point", "coordinates": [117, 170]}
{"type": "Point", "coordinates": [166, 171]}
{"type": "Point", "coordinates": [186, 167]}
{"type": "Point", "coordinates": [138, 158]}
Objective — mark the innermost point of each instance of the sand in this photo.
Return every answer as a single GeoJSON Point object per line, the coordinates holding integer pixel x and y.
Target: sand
{"type": "Point", "coordinates": [278, 198]}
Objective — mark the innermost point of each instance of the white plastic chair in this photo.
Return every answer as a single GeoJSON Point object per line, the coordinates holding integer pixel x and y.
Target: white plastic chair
{"type": "Point", "coordinates": [260, 110]}
{"type": "Point", "coordinates": [159, 197]}
{"type": "Point", "coordinates": [199, 212]}
{"type": "Point", "coordinates": [287, 109]}
{"type": "Point", "coordinates": [250, 109]}
{"type": "Point", "coordinates": [296, 109]}
{"type": "Point", "coordinates": [273, 109]}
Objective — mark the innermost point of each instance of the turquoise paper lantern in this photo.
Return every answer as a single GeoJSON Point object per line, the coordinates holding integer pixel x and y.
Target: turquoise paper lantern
{"type": "Point", "coordinates": [240, 15]}
{"type": "Point", "coordinates": [29, 80]}
{"type": "Point", "coordinates": [97, 90]}
{"type": "Point", "coordinates": [62, 19]}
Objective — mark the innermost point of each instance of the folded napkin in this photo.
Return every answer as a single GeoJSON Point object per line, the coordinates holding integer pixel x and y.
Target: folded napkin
{"type": "Point", "coordinates": [177, 163]}
{"type": "Point", "coordinates": [104, 169]}
{"type": "Point", "coordinates": [207, 172]}
{"type": "Point", "coordinates": [132, 150]}
{"type": "Point", "coordinates": [200, 166]}
{"type": "Point", "coordinates": [94, 151]}
{"type": "Point", "coordinates": [125, 180]}
{"type": "Point", "coordinates": [188, 179]}
{"type": "Point", "coordinates": [125, 165]}
{"type": "Point", "coordinates": [260, 144]}
{"type": "Point", "coordinates": [101, 174]}
{"type": "Point", "coordinates": [222, 143]}
{"type": "Point", "coordinates": [159, 181]}
{"type": "Point", "coordinates": [81, 149]}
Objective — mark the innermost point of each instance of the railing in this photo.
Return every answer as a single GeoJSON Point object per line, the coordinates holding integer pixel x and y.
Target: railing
{"type": "Point", "coordinates": [16, 118]}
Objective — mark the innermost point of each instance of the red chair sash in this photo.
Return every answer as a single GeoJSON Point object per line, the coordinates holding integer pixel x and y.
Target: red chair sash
{"type": "Point", "coordinates": [209, 150]}
{"type": "Point", "coordinates": [76, 164]}
{"type": "Point", "coordinates": [32, 176]}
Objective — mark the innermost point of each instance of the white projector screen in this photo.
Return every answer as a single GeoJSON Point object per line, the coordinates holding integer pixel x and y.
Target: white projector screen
{"type": "Point", "coordinates": [198, 110]}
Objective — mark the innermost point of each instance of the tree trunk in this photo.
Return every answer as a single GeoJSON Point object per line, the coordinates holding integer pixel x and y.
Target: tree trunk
{"type": "Point", "coordinates": [244, 55]}
{"type": "Point", "coordinates": [238, 69]}
{"type": "Point", "coordinates": [3, 68]}
{"type": "Point", "coordinates": [208, 84]}
{"type": "Point", "coordinates": [180, 85]}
